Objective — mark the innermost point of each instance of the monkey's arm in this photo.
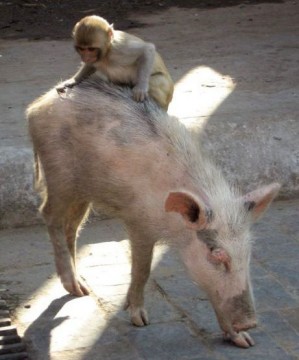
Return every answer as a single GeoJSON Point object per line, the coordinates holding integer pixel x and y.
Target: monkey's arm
{"type": "Point", "coordinates": [145, 64]}
{"type": "Point", "coordinates": [84, 72]}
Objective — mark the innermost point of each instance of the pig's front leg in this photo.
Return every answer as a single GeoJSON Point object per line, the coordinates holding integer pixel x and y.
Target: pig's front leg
{"type": "Point", "coordinates": [142, 253]}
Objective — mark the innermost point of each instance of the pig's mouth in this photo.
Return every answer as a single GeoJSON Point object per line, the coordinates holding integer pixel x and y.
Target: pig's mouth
{"type": "Point", "coordinates": [235, 317]}
{"type": "Point", "coordinates": [241, 339]}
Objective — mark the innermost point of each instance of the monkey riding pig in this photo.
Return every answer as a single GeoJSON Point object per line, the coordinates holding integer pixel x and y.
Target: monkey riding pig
{"type": "Point", "coordinates": [121, 58]}
{"type": "Point", "coordinates": [99, 147]}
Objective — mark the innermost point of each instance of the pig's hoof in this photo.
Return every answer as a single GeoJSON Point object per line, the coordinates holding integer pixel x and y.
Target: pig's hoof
{"type": "Point", "coordinates": [139, 316]}
{"type": "Point", "coordinates": [76, 288]}
{"type": "Point", "coordinates": [241, 339]}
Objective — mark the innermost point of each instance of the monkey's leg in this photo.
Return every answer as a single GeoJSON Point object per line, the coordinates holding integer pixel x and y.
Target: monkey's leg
{"type": "Point", "coordinates": [142, 253]}
{"type": "Point", "coordinates": [161, 89]}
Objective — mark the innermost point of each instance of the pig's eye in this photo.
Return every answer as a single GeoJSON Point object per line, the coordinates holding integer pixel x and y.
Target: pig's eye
{"type": "Point", "coordinates": [209, 238]}
{"type": "Point", "coordinates": [220, 258]}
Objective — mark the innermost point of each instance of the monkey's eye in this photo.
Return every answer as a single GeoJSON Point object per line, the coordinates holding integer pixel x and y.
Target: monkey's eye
{"type": "Point", "coordinates": [81, 48]}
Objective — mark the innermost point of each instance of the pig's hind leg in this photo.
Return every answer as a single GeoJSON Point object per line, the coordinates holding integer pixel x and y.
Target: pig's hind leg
{"type": "Point", "coordinates": [57, 215]}
{"type": "Point", "coordinates": [142, 253]}
{"type": "Point", "coordinates": [76, 216]}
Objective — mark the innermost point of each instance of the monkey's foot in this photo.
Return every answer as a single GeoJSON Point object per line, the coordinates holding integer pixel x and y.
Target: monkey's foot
{"type": "Point", "coordinates": [61, 89]}
{"type": "Point", "coordinates": [64, 86]}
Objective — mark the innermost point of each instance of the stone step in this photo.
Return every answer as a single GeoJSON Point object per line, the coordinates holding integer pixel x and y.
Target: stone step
{"type": "Point", "coordinates": [3, 305]}
{"type": "Point", "coordinates": [19, 356]}
{"type": "Point", "coordinates": [11, 346]}
{"type": "Point", "coordinates": [8, 330]}
{"type": "Point", "coordinates": [5, 321]}
{"type": "Point", "coordinates": [10, 339]}
{"type": "Point", "coordinates": [4, 313]}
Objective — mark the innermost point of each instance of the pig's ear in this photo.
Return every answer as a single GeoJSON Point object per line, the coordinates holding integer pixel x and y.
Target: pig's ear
{"type": "Point", "coordinates": [259, 200]}
{"type": "Point", "coordinates": [190, 209]}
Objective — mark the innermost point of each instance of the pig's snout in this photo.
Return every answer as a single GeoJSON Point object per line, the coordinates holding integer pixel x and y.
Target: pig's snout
{"type": "Point", "coordinates": [236, 332]}
{"type": "Point", "coordinates": [241, 310]}
{"type": "Point", "coordinates": [235, 316]}
{"type": "Point", "coordinates": [229, 325]}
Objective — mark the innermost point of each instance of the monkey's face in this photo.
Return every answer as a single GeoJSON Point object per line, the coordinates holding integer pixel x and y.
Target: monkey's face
{"type": "Point", "coordinates": [92, 37]}
{"type": "Point", "coordinates": [89, 55]}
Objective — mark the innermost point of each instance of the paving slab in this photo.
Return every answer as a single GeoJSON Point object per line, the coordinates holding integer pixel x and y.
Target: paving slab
{"type": "Point", "coordinates": [182, 326]}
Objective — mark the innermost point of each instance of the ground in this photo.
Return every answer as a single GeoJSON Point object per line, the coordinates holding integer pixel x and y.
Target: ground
{"type": "Point", "coordinates": [48, 19]}
{"type": "Point", "coordinates": [183, 326]}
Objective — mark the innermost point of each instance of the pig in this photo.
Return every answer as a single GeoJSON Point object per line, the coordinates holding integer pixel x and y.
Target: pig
{"type": "Point", "coordinates": [96, 147]}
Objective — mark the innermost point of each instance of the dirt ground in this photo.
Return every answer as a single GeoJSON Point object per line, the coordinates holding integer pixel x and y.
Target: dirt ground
{"type": "Point", "coordinates": [48, 19]}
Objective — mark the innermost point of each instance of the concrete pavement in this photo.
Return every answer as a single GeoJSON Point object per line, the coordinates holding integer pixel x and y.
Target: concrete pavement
{"type": "Point", "coordinates": [57, 326]}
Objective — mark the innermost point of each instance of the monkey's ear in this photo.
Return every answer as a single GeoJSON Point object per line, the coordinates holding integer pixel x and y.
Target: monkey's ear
{"type": "Point", "coordinates": [111, 31]}
{"type": "Point", "coordinates": [257, 201]}
{"type": "Point", "coordinates": [190, 209]}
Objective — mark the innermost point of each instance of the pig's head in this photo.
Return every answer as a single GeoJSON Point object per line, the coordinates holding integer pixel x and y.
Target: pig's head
{"type": "Point", "coordinates": [218, 251]}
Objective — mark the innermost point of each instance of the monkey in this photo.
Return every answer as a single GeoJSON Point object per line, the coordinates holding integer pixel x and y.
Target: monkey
{"type": "Point", "coordinates": [121, 58]}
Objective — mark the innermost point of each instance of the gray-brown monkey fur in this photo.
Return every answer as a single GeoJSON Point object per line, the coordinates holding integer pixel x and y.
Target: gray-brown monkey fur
{"type": "Point", "coordinates": [121, 58]}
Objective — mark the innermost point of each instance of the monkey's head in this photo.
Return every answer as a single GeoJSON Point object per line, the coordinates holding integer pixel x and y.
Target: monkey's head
{"type": "Point", "coordinates": [92, 38]}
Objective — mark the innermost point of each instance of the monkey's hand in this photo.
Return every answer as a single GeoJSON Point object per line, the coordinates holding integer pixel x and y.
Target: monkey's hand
{"type": "Point", "coordinates": [140, 93]}
{"type": "Point", "coordinates": [66, 84]}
